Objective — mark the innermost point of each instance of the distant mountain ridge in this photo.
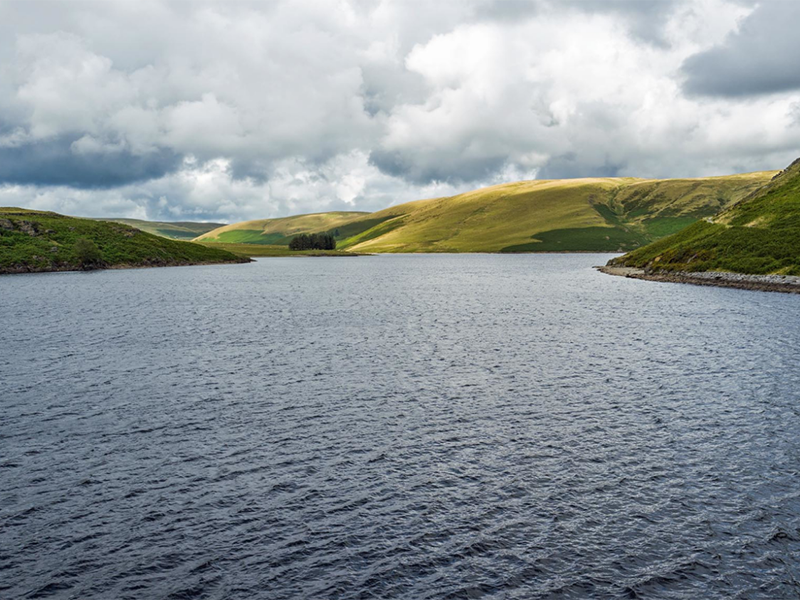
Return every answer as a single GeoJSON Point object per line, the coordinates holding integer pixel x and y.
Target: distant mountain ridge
{"type": "Point", "coordinates": [573, 215]}
{"type": "Point", "coordinates": [280, 231]}
{"type": "Point", "coordinates": [760, 234]}
{"type": "Point", "coordinates": [174, 230]}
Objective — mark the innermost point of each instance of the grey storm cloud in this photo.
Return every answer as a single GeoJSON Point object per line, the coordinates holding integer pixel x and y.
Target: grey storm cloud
{"type": "Point", "coordinates": [569, 166]}
{"type": "Point", "coordinates": [760, 58]}
{"type": "Point", "coordinates": [227, 111]}
{"type": "Point", "coordinates": [55, 162]}
{"type": "Point", "coordinates": [457, 170]}
{"type": "Point", "coordinates": [645, 19]}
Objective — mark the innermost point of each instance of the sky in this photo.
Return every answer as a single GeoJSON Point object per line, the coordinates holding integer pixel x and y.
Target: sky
{"type": "Point", "coordinates": [213, 111]}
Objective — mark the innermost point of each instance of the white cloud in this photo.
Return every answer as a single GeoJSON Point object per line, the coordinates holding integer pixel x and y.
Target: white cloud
{"type": "Point", "coordinates": [223, 112]}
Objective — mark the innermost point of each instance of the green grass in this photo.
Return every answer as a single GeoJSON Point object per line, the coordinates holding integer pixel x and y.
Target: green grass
{"type": "Point", "coordinates": [259, 250]}
{"type": "Point", "coordinates": [581, 239]}
{"type": "Point", "coordinates": [608, 214]}
{"type": "Point", "coordinates": [178, 230]}
{"type": "Point", "coordinates": [600, 214]}
{"type": "Point", "coordinates": [381, 226]}
{"type": "Point", "coordinates": [659, 227]}
{"type": "Point", "coordinates": [281, 231]}
{"type": "Point", "coordinates": [356, 227]}
{"type": "Point", "coordinates": [33, 241]}
{"type": "Point", "coordinates": [759, 235]}
{"type": "Point", "coordinates": [248, 236]}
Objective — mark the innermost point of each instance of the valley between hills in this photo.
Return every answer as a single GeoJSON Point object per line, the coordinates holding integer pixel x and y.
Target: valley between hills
{"type": "Point", "coordinates": [754, 243]}
{"type": "Point", "coordinates": [667, 229]}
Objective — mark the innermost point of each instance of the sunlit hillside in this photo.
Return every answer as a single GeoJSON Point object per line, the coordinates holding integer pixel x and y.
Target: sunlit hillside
{"type": "Point", "coordinates": [598, 214]}
{"type": "Point", "coordinates": [36, 241]}
{"type": "Point", "coordinates": [174, 230]}
{"type": "Point", "coordinates": [760, 235]}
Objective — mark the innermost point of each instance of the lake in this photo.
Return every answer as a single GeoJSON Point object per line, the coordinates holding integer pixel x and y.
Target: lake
{"type": "Point", "coordinates": [452, 426]}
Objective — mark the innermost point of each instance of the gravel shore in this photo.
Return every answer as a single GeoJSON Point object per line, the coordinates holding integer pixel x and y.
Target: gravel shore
{"type": "Point", "coordinates": [764, 283]}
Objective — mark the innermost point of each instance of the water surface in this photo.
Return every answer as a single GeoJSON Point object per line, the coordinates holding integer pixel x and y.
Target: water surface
{"type": "Point", "coordinates": [396, 427]}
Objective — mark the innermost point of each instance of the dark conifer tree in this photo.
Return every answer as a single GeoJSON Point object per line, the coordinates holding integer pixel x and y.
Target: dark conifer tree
{"type": "Point", "coordinates": [314, 241]}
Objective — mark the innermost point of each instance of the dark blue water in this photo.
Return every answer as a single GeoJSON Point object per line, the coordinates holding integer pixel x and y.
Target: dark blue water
{"type": "Point", "coordinates": [397, 427]}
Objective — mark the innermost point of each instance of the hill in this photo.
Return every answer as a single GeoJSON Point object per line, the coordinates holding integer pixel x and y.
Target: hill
{"type": "Point", "coordinates": [262, 250]}
{"type": "Point", "coordinates": [599, 215]}
{"type": "Point", "coordinates": [758, 235]}
{"type": "Point", "coordinates": [279, 232]}
{"type": "Point", "coordinates": [34, 241]}
{"type": "Point", "coordinates": [174, 230]}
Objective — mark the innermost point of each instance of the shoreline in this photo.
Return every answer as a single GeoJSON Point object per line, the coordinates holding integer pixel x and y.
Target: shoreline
{"type": "Point", "coordinates": [25, 270]}
{"type": "Point", "coordinates": [761, 283]}
{"type": "Point", "coordinates": [298, 255]}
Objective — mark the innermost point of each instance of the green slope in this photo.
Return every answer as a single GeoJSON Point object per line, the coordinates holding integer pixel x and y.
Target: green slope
{"type": "Point", "coordinates": [34, 241]}
{"type": "Point", "coordinates": [259, 250]}
{"type": "Point", "coordinates": [279, 232]}
{"type": "Point", "coordinates": [759, 235]}
{"type": "Point", "coordinates": [174, 230]}
{"type": "Point", "coordinates": [600, 214]}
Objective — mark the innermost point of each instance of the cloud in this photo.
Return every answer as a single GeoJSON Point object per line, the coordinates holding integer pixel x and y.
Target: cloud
{"type": "Point", "coordinates": [209, 191]}
{"type": "Point", "coordinates": [561, 95]}
{"type": "Point", "coordinates": [760, 57]}
{"type": "Point", "coordinates": [643, 20]}
{"type": "Point", "coordinates": [84, 162]}
{"type": "Point", "coordinates": [228, 111]}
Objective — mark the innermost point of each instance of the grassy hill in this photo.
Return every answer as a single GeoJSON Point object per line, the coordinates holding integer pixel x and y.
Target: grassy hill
{"type": "Point", "coordinates": [599, 214]}
{"type": "Point", "coordinates": [34, 241]}
{"type": "Point", "coordinates": [260, 250]}
{"type": "Point", "coordinates": [174, 230]}
{"type": "Point", "coordinates": [279, 232]}
{"type": "Point", "coordinates": [758, 235]}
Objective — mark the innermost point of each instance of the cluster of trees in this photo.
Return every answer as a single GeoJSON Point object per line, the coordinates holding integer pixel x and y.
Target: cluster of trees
{"type": "Point", "coordinates": [313, 241]}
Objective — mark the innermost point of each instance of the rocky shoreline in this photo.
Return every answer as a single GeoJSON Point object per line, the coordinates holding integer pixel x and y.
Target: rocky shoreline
{"type": "Point", "coordinates": [764, 283]}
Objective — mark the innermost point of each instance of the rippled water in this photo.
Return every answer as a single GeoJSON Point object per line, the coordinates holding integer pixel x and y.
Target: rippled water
{"type": "Point", "coordinates": [397, 427]}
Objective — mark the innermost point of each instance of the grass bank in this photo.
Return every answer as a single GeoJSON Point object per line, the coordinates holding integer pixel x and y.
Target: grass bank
{"type": "Point", "coordinates": [35, 241]}
{"type": "Point", "coordinates": [759, 236]}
